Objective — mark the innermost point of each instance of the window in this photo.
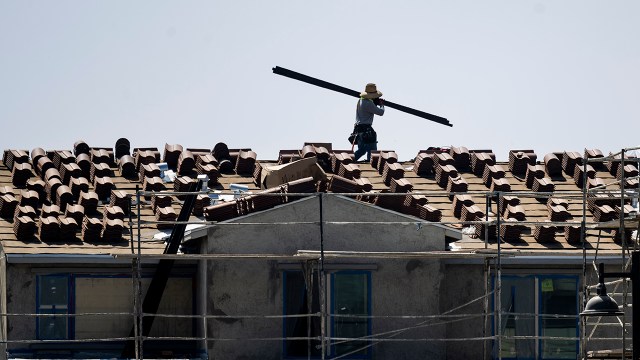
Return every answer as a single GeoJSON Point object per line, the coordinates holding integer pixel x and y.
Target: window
{"type": "Point", "coordinates": [525, 300]}
{"type": "Point", "coordinates": [53, 298]}
{"type": "Point", "coordinates": [348, 294]}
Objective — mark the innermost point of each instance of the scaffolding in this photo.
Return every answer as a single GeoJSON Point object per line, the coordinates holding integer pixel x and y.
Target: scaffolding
{"type": "Point", "coordinates": [315, 261]}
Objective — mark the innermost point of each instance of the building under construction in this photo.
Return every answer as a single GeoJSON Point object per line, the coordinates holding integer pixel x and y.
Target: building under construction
{"type": "Point", "coordinates": [140, 252]}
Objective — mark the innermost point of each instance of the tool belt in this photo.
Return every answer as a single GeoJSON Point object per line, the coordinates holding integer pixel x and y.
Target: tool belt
{"type": "Point", "coordinates": [363, 132]}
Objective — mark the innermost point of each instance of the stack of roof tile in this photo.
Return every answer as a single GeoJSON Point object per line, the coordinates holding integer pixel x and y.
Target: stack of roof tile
{"type": "Point", "coordinates": [479, 160]}
{"type": "Point", "coordinates": [265, 199]}
{"type": "Point", "coordinates": [553, 164]}
{"type": "Point", "coordinates": [480, 230]}
{"type": "Point", "coordinates": [63, 157]}
{"type": "Point", "coordinates": [51, 173]}
{"type": "Point", "coordinates": [594, 153]}
{"type": "Point", "coordinates": [617, 235]}
{"type": "Point", "coordinates": [460, 201]}
{"type": "Point", "coordinates": [519, 159]}
{"type": "Point", "coordinates": [183, 184]}
{"type": "Point", "coordinates": [24, 227]}
{"type": "Point", "coordinates": [68, 171]}
{"type": "Point", "coordinates": [340, 184]}
{"type": "Point", "coordinates": [471, 213]}
{"type": "Point", "coordinates": [49, 229]}
{"type": "Point", "coordinates": [152, 184]}
{"type": "Point", "coordinates": [569, 161]}
{"type": "Point", "coordinates": [146, 156]}
{"type": "Point", "coordinates": [12, 157]}
{"type": "Point", "coordinates": [24, 211]}
{"type": "Point", "coordinates": [287, 156]}
{"type": "Point", "coordinates": [38, 186]}
{"type": "Point", "coordinates": [506, 201]}
{"type": "Point", "coordinates": [158, 201]}
{"type": "Point", "coordinates": [172, 154]}
{"type": "Point", "coordinates": [604, 213]}
{"type": "Point", "coordinates": [50, 210]}
{"type": "Point", "coordinates": [544, 233]}
{"type": "Point", "coordinates": [553, 201]}
{"type": "Point", "coordinates": [102, 156]}
{"type": "Point", "coordinates": [208, 165]}
{"type": "Point", "coordinates": [64, 197]}
{"type": "Point", "coordinates": [84, 162]}
{"type": "Point", "coordinates": [515, 212]}
{"type": "Point", "coordinates": [558, 213]}
{"type": "Point", "coordinates": [75, 212]}
{"type": "Point", "coordinates": [400, 186]}
{"type": "Point", "coordinates": [99, 170]}
{"type": "Point", "coordinates": [78, 186]}
{"type": "Point", "coordinates": [461, 157]}
{"type": "Point", "coordinates": [429, 213]}
{"type": "Point", "coordinates": [149, 170]}
{"type": "Point", "coordinates": [166, 214]}
{"type": "Point", "coordinates": [375, 159]}
{"type": "Point", "coordinates": [186, 163]}
{"type": "Point", "coordinates": [492, 172]}
{"type": "Point", "coordinates": [89, 201]}
{"type": "Point", "coordinates": [423, 164]}
{"type": "Point", "coordinates": [68, 228]}
{"type": "Point", "coordinates": [221, 211]}
{"type": "Point", "coordinates": [81, 147]}
{"type": "Point", "coordinates": [572, 234]}
{"type": "Point", "coordinates": [340, 158]}
{"type": "Point", "coordinates": [627, 209]}
{"type": "Point", "coordinates": [386, 157]}
{"type": "Point", "coordinates": [246, 162]}
{"type": "Point", "coordinates": [112, 212]}
{"type": "Point", "coordinates": [364, 184]}
{"type": "Point", "coordinates": [578, 174]}
{"type": "Point", "coordinates": [412, 200]}
{"type": "Point", "coordinates": [595, 182]}
{"type": "Point", "coordinates": [120, 198]}
{"type": "Point", "coordinates": [257, 174]}
{"type": "Point", "coordinates": [443, 173]}
{"type": "Point", "coordinates": [103, 186]}
{"type": "Point", "coordinates": [349, 171]}
{"type": "Point", "coordinates": [20, 173]}
{"type": "Point", "coordinates": [613, 164]}
{"type": "Point", "coordinates": [36, 154]}
{"type": "Point", "coordinates": [122, 148]}
{"type": "Point", "coordinates": [29, 198]}
{"type": "Point", "coordinates": [91, 229]}
{"type": "Point", "coordinates": [42, 165]}
{"type": "Point", "coordinates": [502, 185]}
{"type": "Point", "coordinates": [629, 170]}
{"type": "Point", "coordinates": [304, 185]}
{"type": "Point", "coordinates": [392, 171]}
{"type": "Point", "coordinates": [543, 185]}
{"type": "Point", "coordinates": [533, 172]}
{"type": "Point", "coordinates": [112, 230]}
{"type": "Point", "coordinates": [202, 201]}
{"type": "Point", "coordinates": [127, 166]}
{"type": "Point", "coordinates": [600, 199]}
{"type": "Point", "coordinates": [390, 201]}
{"type": "Point", "coordinates": [510, 229]}
{"type": "Point", "coordinates": [456, 184]}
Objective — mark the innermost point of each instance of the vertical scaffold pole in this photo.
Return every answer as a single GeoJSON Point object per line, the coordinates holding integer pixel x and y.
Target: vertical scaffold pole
{"type": "Point", "coordinates": [322, 282]}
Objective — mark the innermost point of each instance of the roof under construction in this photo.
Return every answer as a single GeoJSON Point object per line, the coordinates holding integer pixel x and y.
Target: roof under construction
{"type": "Point", "coordinates": [77, 201]}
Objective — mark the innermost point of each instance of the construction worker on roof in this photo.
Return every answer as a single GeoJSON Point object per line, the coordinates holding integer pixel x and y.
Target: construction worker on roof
{"type": "Point", "coordinates": [369, 104]}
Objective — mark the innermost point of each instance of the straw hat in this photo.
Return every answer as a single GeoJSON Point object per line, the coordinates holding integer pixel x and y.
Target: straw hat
{"type": "Point", "coordinates": [371, 92]}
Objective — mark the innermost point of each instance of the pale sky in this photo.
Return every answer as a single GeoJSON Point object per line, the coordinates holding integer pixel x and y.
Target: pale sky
{"type": "Point", "coordinates": [542, 75]}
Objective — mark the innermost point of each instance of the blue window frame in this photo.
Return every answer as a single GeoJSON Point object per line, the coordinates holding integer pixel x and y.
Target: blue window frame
{"type": "Point", "coordinates": [349, 301]}
{"type": "Point", "coordinates": [525, 300]}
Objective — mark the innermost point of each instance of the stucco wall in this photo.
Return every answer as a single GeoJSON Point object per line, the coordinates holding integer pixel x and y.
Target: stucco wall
{"type": "Point", "coordinates": [254, 287]}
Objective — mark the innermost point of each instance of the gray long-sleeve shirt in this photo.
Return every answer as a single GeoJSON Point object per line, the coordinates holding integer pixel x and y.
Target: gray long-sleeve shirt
{"type": "Point", "coordinates": [365, 111]}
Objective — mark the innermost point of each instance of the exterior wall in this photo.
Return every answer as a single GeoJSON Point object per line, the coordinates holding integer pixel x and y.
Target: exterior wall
{"type": "Point", "coordinates": [255, 287]}
{"type": "Point", "coordinates": [99, 293]}
{"type": "Point", "coordinates": [3, 305]}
